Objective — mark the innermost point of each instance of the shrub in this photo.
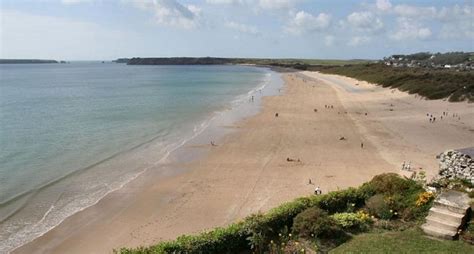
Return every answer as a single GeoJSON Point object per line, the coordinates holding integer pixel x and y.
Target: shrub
{"type": "Point", "coordinates": [315, 222]}
{"type": "Point", "coordinates": [424, 198]}
{"type": "Point", "coordinates": [341, 201]}
{"type": "Point", "coordinates": [353, 221]}
{"type": "Point", "coordinates": [377, 206]}
{"type": "Point", "coordinates": [391, 183]}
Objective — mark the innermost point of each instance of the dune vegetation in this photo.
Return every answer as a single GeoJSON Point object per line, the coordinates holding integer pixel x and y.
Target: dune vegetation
{"type": "Point", "coordinates": [430, 83]}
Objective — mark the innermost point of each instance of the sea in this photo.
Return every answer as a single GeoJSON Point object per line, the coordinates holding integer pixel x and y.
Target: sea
{"type": "Point", "coordinates": [72, 133]}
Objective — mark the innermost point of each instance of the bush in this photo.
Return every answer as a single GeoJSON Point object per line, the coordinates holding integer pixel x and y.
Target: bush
{"type": "Point", "coordinates": [314, 222]}
{"type": "Point", "coordinates": [377, 206]}
{"type": "Point", "coordinates": [353, 221]}
{"type": "Point", "coordinates": [342, 201]}
{"type": "Point", "coordinates": [391, 183]}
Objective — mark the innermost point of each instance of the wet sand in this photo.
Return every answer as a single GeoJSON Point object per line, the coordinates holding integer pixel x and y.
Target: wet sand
{"type": "Point", "coordinates": [248, 170]}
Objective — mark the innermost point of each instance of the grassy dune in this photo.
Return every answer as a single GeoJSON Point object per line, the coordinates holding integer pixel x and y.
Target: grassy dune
{"type": "Point", "coordinates": [430, 83]}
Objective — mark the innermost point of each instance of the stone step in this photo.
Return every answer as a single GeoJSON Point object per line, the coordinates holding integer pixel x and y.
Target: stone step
{"type": "Point", "coordinates": [447, 214]}
{"type": "Point", "coordinates": [442, 224]}
{"type": "Point", "coordinates": [443, 214]}
{"type": "Point", "coordinates": [437, 232]}
{"type": "Point", "coordinates": [450, 208]}
{"type": "Point", "coordinates": [453, 201]}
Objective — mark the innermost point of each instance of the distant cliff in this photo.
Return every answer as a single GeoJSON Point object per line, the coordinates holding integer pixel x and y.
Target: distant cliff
{"type": "Point", "coordinates": [300, 63]}
{"type": "Point", "coordinates": [121, 60]}
{"type": "Point", "coordinates": [26, 61]}
{"type": "Point", "coordinates": [183, 61]}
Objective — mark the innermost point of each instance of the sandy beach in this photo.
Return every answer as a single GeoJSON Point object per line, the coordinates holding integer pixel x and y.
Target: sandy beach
{"type": "Point", "coordinates": [322, 122]}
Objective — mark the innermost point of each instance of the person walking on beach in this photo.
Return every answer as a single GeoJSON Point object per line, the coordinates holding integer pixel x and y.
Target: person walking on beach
{"type": "Point", "coordinates": [362, 145]}
{"type": "Point", "coordinates": [403, 165]}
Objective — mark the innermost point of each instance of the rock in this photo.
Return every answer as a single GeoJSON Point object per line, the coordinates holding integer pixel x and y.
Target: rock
{"type": "Point", "coordinates": [454, 164]}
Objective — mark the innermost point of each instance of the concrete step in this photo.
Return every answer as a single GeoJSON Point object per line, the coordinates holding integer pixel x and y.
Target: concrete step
{"type": "Point", "coordinates": [442, 224]}
{"type": "Point", "coordinates": [449, 207]}
{"type": "Point", "coordinates": [437, 232]}
{"type": "Point", "coordinates": [443, 214]}
{"type": "Point", "coordinates": [447, 214]}
{"type": "Point", "coordinates": [453, 201]}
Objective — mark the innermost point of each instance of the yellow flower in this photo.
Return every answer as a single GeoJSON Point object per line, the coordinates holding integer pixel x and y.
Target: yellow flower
{"type": "Point", "coordinates": [424, 198]}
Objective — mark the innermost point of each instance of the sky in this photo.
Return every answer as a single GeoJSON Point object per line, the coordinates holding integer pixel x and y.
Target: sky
{"type": "Point", "coordinates": [331, 29]}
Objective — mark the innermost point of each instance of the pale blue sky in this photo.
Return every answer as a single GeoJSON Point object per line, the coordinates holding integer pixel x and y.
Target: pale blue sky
{"type": "Point", "coordinates": [336, 29]}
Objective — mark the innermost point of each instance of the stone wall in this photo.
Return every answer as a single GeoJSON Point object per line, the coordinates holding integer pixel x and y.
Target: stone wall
{"type": "Point", "coordinates": [455, 164]}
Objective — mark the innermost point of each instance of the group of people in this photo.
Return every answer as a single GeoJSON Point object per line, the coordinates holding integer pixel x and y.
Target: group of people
{"type": "Point", "coordinates": [406, 166]}
{"type": "Point", "coordinates": [432, 118]}
{"type": "Point", "coordinates": [328, 106]}
{"type": "Point", "coordinates": [293, 160]}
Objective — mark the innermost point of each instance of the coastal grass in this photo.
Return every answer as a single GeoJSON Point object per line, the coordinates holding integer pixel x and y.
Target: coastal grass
{"type": "Point", "coordinates": [430, 83]}
{"type": "Point", "coordinates": [408, 241]}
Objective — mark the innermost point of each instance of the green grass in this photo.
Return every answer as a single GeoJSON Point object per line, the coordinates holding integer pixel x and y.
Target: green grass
{"type": "Point", "coordinates": [408, 241]}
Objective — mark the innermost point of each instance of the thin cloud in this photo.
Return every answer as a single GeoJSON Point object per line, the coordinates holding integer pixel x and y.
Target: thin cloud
{"type": "Point", "coordinates": [170, 12]}
{"type": "Point", "coordinates": [242, 28]}
{"type": "Point", "coordinates": [303, 22]}
{"type": "Point", "coordinates": [365, 21]}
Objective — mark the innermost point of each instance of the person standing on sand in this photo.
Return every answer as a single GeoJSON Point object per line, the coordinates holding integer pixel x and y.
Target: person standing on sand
{"type": "Point", "coordinates": [403, 165]}
{"type": "Point", "coordinates": [362, 145]}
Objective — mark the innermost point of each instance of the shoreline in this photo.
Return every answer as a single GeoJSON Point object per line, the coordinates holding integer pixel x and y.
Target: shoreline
{"type": "Point", "coordinates": [247, 172]}
{"type": "Point", "coordinates": [237, 109]}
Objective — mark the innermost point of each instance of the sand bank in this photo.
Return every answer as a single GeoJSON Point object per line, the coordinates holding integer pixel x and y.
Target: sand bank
{"type": "Point", "coordinates": [248, 170]}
